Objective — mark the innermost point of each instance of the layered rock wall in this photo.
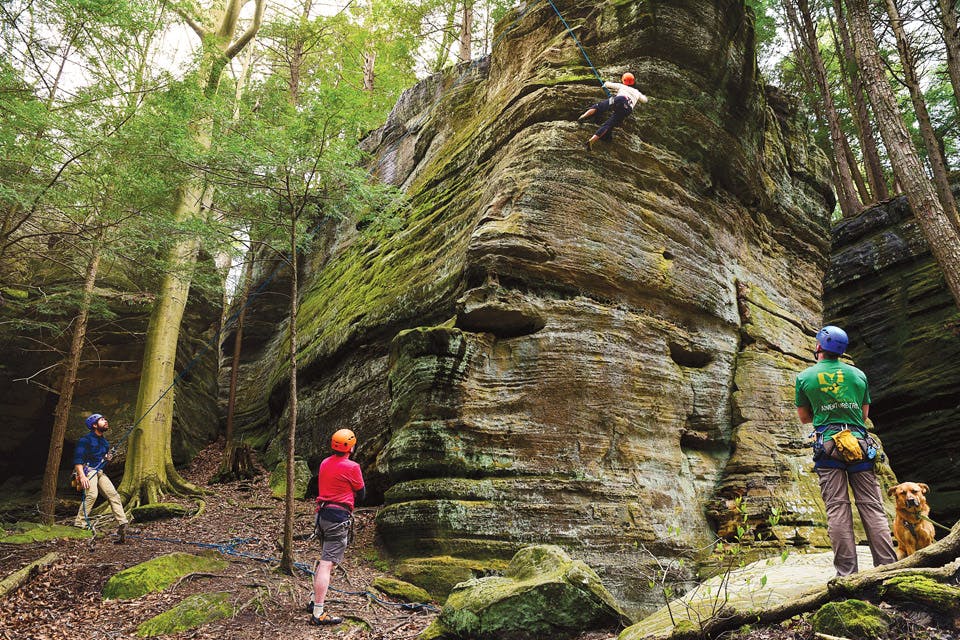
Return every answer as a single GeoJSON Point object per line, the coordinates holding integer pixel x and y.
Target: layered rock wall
{"type": "Point", "coordinates": [591, 350]}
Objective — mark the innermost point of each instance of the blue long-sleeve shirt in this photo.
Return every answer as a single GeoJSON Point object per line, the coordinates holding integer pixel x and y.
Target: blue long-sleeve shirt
{"type": "Point", "coordinates": [90, 450]}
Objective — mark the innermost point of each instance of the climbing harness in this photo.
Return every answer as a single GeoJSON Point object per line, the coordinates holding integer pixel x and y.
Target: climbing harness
{"type": "Point", "coordinates": [229, 548]}
{"type": "Point", "coordinates": [845, 449]}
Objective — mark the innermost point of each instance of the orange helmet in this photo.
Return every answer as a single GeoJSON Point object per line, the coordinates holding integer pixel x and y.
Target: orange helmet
{"type": "Point", "coordinates": [627, 78]}
{"type": "Point", "coordinates": [343, 440]}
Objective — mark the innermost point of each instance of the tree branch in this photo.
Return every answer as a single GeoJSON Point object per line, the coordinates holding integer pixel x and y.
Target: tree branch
{"type": "Point", "coordinates": [247, 35]}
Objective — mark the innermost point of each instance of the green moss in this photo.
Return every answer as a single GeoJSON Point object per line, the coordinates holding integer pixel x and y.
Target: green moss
{"type": "Point", "coordinates": [301, 477]}
{"type": "Point", "coordinates": [15, 294]}
{"type": "Point", "coordinates": [854, 619]}
{"type": "Point", "coordinates": [922, 590]}
{"type": "Point", "coordinates": [29, 532]}
{"type": "Point", "coordinates": [158, 574]}
{"type": "Point", "coordinates": [400, 590]}
{"type": "Point", "coordinates": [190, 613]}
{"type": "Point", "coordinates": [158, 511]}
{"type": "Point", "coordinates": [439, 574]}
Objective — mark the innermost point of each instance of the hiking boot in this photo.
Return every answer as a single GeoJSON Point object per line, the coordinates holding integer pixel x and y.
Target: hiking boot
{"type": "Point", "coordinates": [325, 619]}
{"type": "Point", "coordinates": [121, 534]}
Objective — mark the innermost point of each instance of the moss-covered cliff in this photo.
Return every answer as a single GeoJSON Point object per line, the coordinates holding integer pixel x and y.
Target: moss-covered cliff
{"type": "Point", "coordinates": [590, 350]}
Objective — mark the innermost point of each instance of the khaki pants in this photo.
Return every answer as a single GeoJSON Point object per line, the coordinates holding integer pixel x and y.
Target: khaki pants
{"type": "Point", "coordinates": [866, 493]}
{"type": "Point", "coordinates": [99, 482]}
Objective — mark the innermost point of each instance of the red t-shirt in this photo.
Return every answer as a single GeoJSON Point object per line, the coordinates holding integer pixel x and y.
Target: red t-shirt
{"type": "Point", "coordinates": [338, 478]}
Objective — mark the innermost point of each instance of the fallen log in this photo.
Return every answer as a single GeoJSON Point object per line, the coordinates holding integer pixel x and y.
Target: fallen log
{"type": "Point", "coordinates": [18, 578]}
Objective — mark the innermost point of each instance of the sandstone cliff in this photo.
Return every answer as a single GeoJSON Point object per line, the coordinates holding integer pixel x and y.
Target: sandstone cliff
{"type": "Point", "coordinates": [597, 350]}
{"type": "Point", "coordinates": [884, 286]}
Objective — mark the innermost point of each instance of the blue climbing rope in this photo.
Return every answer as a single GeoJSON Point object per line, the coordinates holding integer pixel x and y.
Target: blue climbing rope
{"type": "Point", "coordinates": [579, 46]}
{"type": "Point", "coordinates": [229, 548]}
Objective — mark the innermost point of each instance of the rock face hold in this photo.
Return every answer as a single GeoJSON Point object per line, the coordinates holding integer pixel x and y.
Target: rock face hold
{"type": "Point", "coordinates": [887, 291]}
{"type": "Point", "coordinates": [592, 351]}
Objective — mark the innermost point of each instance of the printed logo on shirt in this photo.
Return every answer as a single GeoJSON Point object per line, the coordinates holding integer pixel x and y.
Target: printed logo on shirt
{"type": "Point", "coordinates": [830, 382]}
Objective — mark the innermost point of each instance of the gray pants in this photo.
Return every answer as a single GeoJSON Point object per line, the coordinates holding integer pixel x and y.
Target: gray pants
{"type": "Point", "coordinates": [866, 493]}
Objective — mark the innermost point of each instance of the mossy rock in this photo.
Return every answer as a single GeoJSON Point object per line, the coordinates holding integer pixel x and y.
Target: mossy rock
{"type": "Point", "coordinates": [301, 477]}
{"type": "Point", "coordinates": [854, 619]}
{"type": "Point", "coordinates": [158, 574]}
{"type": "Point", "coordinates": [438, 575]}
{"type": "Point", "coordinates": [190, 613]}
{"type": "Point", "coordinates": [543, 594]}
{"type": "Point", "coordinates": [29, 532]}
{"type": "Point", "coordinates": [922, 590]}
{"type": "Point", "coordinates": [159, 511]}
{"type": "Point", "coordinates": [400, 590]}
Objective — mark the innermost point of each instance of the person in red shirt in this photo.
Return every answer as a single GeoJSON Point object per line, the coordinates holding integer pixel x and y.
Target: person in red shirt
{"type": "Point", "coordinates": [340, 486]}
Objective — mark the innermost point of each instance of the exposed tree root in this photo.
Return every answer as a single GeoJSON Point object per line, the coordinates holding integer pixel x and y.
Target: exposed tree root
{"type": "Point", "coordinates": [938, 561]}
{"type": "Point", "coordinates": [17, 578]}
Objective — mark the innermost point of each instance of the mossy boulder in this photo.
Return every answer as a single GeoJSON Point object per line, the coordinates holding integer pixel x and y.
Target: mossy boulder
{"type": "Point", "coordinates": [158, 511]}
{"type": "Point", "coordinates": [301, 477]}
{"type": "Point", "coordinates": [28, 532]}
{"type": "Point", "coordinates": [191, 613]}
{"type": "Point", "coordinates": [438, 575]}
{"type": "Point", "coordinates": [158, 574]}
{"type": "Point", "coordinates": [400, 590]}
{"type": "Point", "coordinates": [922, 590]}
{"type": "Point", "coordinates": [544, 593]}
{"type": "Point", "coordinates": [854, 619]}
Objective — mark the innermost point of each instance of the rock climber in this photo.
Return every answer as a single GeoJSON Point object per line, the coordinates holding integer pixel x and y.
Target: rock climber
{"type": "Point", "coordinates": [339, 487]}
{"type": "Point", "coordinates": [835, 397]}
{"type": "Point", "coordinates": [89, 457]}
{"type": "Point", "coordinates": [621, 104]}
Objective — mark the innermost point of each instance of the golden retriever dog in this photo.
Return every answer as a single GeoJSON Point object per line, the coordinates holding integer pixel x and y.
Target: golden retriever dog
{"type": "Point", "coordinates": [910, 528]}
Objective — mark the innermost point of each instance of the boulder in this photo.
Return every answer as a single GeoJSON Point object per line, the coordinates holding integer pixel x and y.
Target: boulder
{"type": "Point", "coordinates": [159, 573]}
{"type": "Point", "coordinates": [853, 619]}
{"type": "Point", "coordinates": [192, 612]}
{"type": "Point", "coordinates": [301, 478]}
{"type": "Point", "coordinates": [400, 590]}
{"type": "Point", "coordinates": [542, 594]}
{"type": "Point", "coordinates": [548, 347]}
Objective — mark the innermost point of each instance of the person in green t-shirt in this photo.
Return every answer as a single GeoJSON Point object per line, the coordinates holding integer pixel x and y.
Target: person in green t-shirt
{"type": "Point", "coordinates": [835, 396]}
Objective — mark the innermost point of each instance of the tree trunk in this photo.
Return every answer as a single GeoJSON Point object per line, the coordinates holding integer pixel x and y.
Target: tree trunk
{"type": "Point", "coordinates": [940, 232]}
{"type": "Point", "coordinates": [237, 461]}
{"type": "Point", "coordinates": [48, 490]}
{"type": "Point", "coordinates": [369, 60]}
{"type": "Point", "coordinates": [951, 36]}
{"type": "Point", "coordinates": [286, 559]}
{"type": "Point", "coordinates": [941, 180]}
{"type": "Point", "coordinates": [466, 32]}
{"type": "Point", "coordinates": [849, 204]}
{"type": "Point", "coordinates": [444, 49]}
{"type": "Point", "coordinates": [861, 115]}
{"type": "Point", "coordinates": [149, 470]}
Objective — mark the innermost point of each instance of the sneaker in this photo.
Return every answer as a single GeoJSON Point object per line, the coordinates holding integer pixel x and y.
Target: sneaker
{"type": "Point", "coordinates": [325, 619]}
{"type": "Point", "coordinates": [121, 534]}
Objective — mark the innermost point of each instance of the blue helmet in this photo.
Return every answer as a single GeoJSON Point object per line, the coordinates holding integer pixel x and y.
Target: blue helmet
{"type": "Point", "coordinates": [833, 339]}
{"type": "Point", "coordinates": [92, 420]}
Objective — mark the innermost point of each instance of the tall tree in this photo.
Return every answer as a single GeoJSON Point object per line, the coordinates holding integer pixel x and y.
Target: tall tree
{"type": "Point", "coordinates": [149, 470]}
{"type": "Point", "coordinates": [860, 112]}
{"type": "Point", "coordinates": [935, 157]}
{"type": "Point", "coordinates": [951, 37]}
{"type": "Point", "coordinates": [939, 230]}
{"type": "Point", "coordinates": [849, 204]}
{"type": "Point", "coordinates": [466, 32]}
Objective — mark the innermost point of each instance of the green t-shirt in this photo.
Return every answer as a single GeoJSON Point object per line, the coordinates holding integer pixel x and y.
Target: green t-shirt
{"type": "Point", "coordinates": [834, 391]}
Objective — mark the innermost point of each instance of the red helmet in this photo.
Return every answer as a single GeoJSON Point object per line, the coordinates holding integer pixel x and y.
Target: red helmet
{"type": "Point", "coordinates": [627, 79]}
{"type": "Point", "coordinates": [343, 440]}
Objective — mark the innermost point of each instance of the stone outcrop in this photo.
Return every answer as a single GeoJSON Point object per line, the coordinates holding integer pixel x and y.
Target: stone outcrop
{"type": "Point", "coordinates": [887, 291]}
{"type": "Point", "coordinates": [595, 351]}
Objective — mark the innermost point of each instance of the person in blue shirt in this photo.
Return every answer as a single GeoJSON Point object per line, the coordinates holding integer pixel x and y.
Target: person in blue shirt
{"type": "Point", "coordinates": [90, 456]}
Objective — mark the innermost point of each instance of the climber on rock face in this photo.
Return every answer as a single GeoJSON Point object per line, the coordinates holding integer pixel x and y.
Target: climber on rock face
{"type": "Point", "coordinates": [621, 104]}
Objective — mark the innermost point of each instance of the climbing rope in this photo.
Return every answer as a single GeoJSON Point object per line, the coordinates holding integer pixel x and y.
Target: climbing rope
{"type": "Point", "coordinates": [229, 548]}
{"type": "Point", "coordinates": [579, 46]}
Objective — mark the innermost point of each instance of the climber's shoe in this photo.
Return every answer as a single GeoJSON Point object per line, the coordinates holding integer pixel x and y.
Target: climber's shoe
{"type": "Point", "coordinates": [324, 620]}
